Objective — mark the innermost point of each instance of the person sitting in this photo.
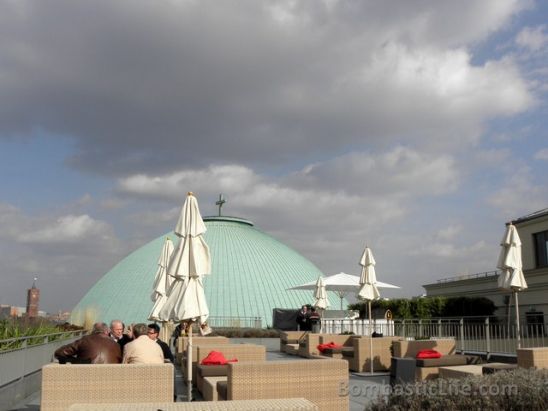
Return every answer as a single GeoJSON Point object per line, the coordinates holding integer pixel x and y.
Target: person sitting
{"type": "Point", "coordinates": [142, 350]}
{"type": "Point", "coordinates": [153, 333]}
{"type": "Point", "coordinates": [95, 348]}
{"type": "Point", "coordinates": [117, 333]}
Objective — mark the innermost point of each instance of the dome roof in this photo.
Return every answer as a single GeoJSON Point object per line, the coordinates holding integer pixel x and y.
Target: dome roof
{"type": "Point", "coordinates": [251, 272]}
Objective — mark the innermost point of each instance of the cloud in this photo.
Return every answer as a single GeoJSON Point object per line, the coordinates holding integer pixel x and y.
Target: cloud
{"type": "Point", "coordinates": [541, 154]}
{"type": "Point", "coordinates": [449, 232]}
{"type": "Point", "coordinates": [532, 38]}
{"type": "Point", "coordinates": [60, 250]}
{"type": "Point", "coordinates": [143, 88]}
{"type": "Point", "coordinates": [519, 194]}
{"type": "Point", "coordinates": [67, 229]}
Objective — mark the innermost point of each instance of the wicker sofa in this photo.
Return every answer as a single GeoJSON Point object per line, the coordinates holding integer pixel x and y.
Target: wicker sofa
{"type": "Point", "coordinates": [347, 342]}
{"type": "Point", "coordinates": [242, 352]}
{"type": "Point", "coordinates": [67, 384]}
{"type": "Point", "coordinates": [319, 381]}
{"type": "Point", "coordinates": [308, 345]}
{"type": "Point", "coordinates": [289, 341]}
{"type": "Point", "coordinates": [536, 357]}
{"type": "Point", "coordinates": [182, 343]}
{"type": "Point", "coordinates": [429, 368]}
{"type": "Point", "coordinates": [359, 359]}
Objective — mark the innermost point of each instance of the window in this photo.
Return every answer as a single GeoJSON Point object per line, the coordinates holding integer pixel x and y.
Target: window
{"type": "Point", "coordinates": [541, 248]}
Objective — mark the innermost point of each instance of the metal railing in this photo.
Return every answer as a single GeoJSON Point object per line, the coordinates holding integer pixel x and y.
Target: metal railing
{"type": "Point", "coordinates": [488, 335]}
{"type": "Point", "coordinates": [235, 322]}
{"type": "Point", "coordinates": [25, 355]}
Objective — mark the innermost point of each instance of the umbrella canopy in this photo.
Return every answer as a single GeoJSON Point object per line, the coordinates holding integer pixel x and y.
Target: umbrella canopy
{"type": "Point", "coordinates": [189, 262]}
{"type": "Point", "coordinates": [320, 294]}
{"type": "Point", "coordinates": [341, 283]}
{"type": "Point", "coordinates": [368, 279]}
{"type": "Point", "coordinates": [510, 264]}
{"type": "Point", "coordinates": [162, 282]}
{"type": "Point", "coordinates": [368, 290]}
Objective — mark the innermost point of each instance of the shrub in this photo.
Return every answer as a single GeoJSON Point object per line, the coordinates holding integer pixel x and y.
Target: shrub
{"type": "Point", "coordinates": [246, 332]}
{"type": "Point", "coordinates": [520, 389]}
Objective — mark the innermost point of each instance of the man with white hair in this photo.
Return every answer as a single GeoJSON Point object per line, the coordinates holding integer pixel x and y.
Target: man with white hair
{"type": "Point", "coordinates": [117, 333]}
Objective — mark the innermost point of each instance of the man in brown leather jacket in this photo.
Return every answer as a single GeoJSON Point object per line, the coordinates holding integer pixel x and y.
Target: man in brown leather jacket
{"type": "Point", "coordinates": [96, 348]}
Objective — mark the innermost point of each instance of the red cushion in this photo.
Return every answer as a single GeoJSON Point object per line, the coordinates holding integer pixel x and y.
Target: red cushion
{"type": "Point", "coordinates": [216, 358]}
{"type": "Point", "coordinates": [323, 347]}
{"type": "Point", "coordinates": [422, 354]}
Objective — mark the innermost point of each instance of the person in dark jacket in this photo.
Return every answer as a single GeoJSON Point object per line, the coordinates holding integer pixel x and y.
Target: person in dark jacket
{"type": "Point", "coordinates": [153, 333]}
{"type": "Point", "coordinates": [303, 319]}
{"type": "Point", "coordinates": [96, 348]}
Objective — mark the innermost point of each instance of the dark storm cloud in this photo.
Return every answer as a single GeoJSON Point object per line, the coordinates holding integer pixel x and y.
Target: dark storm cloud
{"type": "Point", "coordinates": [152, 85]}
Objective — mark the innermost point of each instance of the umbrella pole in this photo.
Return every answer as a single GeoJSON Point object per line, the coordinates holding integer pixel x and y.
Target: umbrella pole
{"type": "Point", "coordinates": [517, 320]}
{"type": "Point", "coordinates": [370, 337]}
{"type": "Point", "coordinates": [189, 363]}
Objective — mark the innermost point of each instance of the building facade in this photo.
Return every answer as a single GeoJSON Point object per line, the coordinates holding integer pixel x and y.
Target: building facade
{"type": "Point", "coordinates": [33, 301]}
{"type": "Point", "coordinates": [533, 302]}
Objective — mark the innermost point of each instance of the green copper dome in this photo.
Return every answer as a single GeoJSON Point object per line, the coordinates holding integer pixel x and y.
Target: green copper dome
{"type": "Point", "coordinates": [251, 272]}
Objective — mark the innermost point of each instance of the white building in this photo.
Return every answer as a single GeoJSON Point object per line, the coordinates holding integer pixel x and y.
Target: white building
{"type": "Point", "coordinates": [533, 302]}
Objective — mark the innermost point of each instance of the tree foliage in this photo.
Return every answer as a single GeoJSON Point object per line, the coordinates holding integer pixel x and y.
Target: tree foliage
{"type": "Point", "coordinates": [429, 307]}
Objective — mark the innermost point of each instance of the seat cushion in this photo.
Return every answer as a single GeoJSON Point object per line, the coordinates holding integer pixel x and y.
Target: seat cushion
{"type": "Point", "coordinates": [222, 388]}
{"type": "Point", "coordinates": [444, 361]}
{"type": "Point", "coordinates": [212, 370]}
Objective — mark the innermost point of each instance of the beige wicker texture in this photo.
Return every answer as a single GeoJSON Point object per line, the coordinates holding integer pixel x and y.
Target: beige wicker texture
{"type": "Point", "coordinates": [209, 388]}
{"type": "Point", "coordinates": [427, 373]}
{"type": "Point", "coordinates": [308, 345]}
{"type": "Point", "coordinates": [196, 340]}
{"type": "Point", "coordinates": [361, 361]}
{"type": "Point", "coordinates": [242, 352]}
{"type": "Point", "coordinates": [63, 385]}
{"type": "Point", "coordinates": [346, 340]}
{"type": "Point", "coordinates": [536, 357]}
{"type": "Point", "coordinates": [211, 344]}
{"type": "Point", "coordinates": [290, 337]}
{"type": "Point", "coordinates": [411, 348]}
{"type": "Point", "coordinates": [460, 371]}
{"type": "Point", "coordinates": [317, 381]}
{"type": "Point", "coordinates": [286, 404]}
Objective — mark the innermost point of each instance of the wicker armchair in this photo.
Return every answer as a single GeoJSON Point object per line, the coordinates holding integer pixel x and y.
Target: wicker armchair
{"type": "Point", "coordinates": [242, 352]}
{"type": "Point", "coordinates": [347, 342]}
{"type": "Point", "coordinates": [289, 341]}
{"type": "Point", "coordinates": [308, 345]}
{"type": "Point", "coordinates": [318, 381]}
{"type": "Point", "coordinates": [359, 359]}
{"type": "Point", "coordinates": [280, 404]}
{"type": "Point", "coordinates": [64, 385]}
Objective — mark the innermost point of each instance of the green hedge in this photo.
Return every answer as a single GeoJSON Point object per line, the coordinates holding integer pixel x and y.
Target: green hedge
{"type": "Point", "coordinates": [430, 307]}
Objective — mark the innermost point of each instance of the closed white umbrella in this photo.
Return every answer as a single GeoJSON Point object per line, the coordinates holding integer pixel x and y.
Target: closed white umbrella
{"type": "Point", "coordinates": [189, 262]}
{"type": "Point", "coordinates": [320, 294]}
{"type": "Point", "coordinates": [511, 266]}
{"type": "Point", "coordinates": [368, 290]}
{"type": "Point", "coordinates": [162, 282]}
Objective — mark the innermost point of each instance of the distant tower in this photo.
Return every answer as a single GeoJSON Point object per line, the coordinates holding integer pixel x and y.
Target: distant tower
{"type": "Point", "coordinates": [33, 300]}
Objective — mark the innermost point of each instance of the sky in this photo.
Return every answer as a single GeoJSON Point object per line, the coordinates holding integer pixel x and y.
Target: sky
{"type": "Point", "coordinates": [417, 128]}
